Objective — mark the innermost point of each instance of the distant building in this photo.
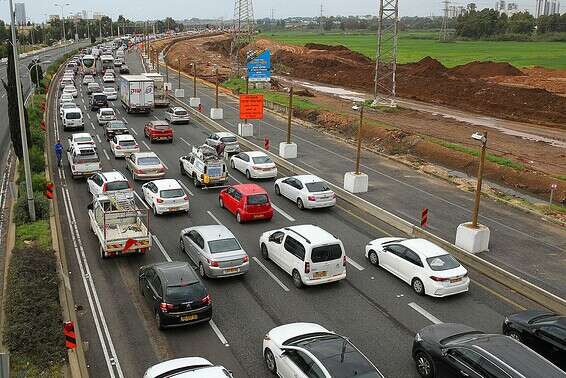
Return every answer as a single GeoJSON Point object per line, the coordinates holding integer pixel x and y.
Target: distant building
{"type": "Point", "coordinates": [97, 16]}
{"type": "Point", "coordinates": [20, 10]}
{"type": "Point", "coordinates": [547, 7]}
{"type": "Point", "coordinates": [500, 6]}
{"type": "Point", "coordinates": [85, 15]}
{"type": "Point", "coordinates": [53, 18]}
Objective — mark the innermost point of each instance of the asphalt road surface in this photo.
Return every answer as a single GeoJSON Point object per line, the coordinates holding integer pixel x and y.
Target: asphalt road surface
{"type": "Point", "coordinates": [375, 310]}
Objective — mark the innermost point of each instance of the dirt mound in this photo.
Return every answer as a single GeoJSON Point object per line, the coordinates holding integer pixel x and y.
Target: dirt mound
{"type": "Point", "coordinates": [222, 46]}
{"type": "Point", "coordinates": [425, 66]}
{"type": "Point", "coordinates": [320, 46]}
{"type": "Point", "coordinates": [479, 69]}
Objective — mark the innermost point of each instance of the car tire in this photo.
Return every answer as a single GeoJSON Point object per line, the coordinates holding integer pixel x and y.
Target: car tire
{"type": "Point", "coordinates": [418, 286]}
{"type": "Point", "coordinates": [373, 259]}
{"type": "Point", "coordinates": [158, 321]}
{"type": "Point", "coordinates": [264, 252]}
{"type": "Point", "coordinates": [201, 271]}
{"type": "Point", "coordinates": [248, 175]}
{"type": "Point", "coordinates": [297, 281]}
{"type": "Point", "coordinates": [221, 202]}
{"type": "Point", "coordinates": [270, 361]}
{"type": "Point", "coordinates": [277, 190]}
{"type": "Point", "coordinates": [195, 181]}
{"type": "Point", "coordinates": [514, 335]}
{"type": "Point", "coordinates": [182, 244]}
{"type": "Point", "coordinates": [424, 364]}
{"type": "Point", "coordinates": [239, 217]}
{"type": "Point", "coordinates": [232, 165]}
{"type": "Point", "coordinates": [155, 210]}
{"type": "Point", "coordinates": [300, 204]}
{"type": "Point", "coordinates": [182, 169]}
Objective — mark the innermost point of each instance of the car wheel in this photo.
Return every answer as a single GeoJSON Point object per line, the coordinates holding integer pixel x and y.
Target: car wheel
{"type": "Point", "coordinates": [182, 244]}
{"type": "Point", "coordinates": [248, 176]}
{"type": "Point", "coordinates": [102, 254]}
{"type": "Point", "coordinates": [264, 252]}
{"type": "Point", "coordinates": [373, 259]}
{"type": "Point", "coordinates": [297, 281]}
{"type": "Point", "coordinates": [195, 181]}
{"type": "Point", "coordinates": [425, 366]}
{"type": "Point", "coordinates": [201, 271]}
{"type": "Point", "coordinates": [155, 210]}
{"type": "Point", "coordinates": [514, 335]}
{"type": "Point", "coordinates": [182, 169]}
{"type": "Point", "coordinates": [158, 321]}
{"type": "Point", "coordinates": [221, 202]}
{"type": "Point", "coordinates": [277, 190]}
{"type": "Point", "coordinates": [151, 140]}
{"type": "Point", "coordinates": [418, 286]}
{"type": "Point", "coordinates": [270, 361]}
{"type": "Point", "coordinates": [300, 204]}
{"type": "Point", "coordinates": [238, 217]}
{"type": "Point", "coordinates": [232, 165]}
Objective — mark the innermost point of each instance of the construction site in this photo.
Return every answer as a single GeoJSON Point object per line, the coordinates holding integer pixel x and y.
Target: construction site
{"type": "Point", "coordinates": [521, 108]}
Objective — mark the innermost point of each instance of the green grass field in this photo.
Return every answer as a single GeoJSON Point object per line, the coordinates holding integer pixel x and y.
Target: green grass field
{"type": "Point", "coordinates": [416, 45]}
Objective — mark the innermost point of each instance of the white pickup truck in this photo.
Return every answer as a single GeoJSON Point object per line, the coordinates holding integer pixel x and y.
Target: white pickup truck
{"type": "Point", "coordinates": [119, 225]}
{"type": "Point", "coordinates": [83, 160]}
{"type": "Point", "coordinates": [205, 167]}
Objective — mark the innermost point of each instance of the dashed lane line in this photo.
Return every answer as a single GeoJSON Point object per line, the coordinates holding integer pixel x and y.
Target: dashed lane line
{"type": "Point", "coordinates": [270, 273]}
{"type": "Point", "coordinates": [425, 313]}
{"type": "Point", "coordinates": [354, 264]}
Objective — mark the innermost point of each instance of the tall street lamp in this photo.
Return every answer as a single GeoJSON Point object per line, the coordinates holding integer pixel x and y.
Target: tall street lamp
{"type": "Point", "coordinates": [64, 36]}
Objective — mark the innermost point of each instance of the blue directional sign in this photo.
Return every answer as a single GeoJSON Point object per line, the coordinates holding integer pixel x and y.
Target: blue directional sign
{"type": "Point", "coordinates": [259, 68]}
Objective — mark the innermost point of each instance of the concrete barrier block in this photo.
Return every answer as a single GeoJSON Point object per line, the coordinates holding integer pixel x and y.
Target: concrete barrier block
{"type": "Point", "coordinates": [245, 129]}
{"type": "Point", "coordinates": [356, 183]}
{"type": "Point", "coordinates": [216, 113]}
{"type": "Point", "coordinates": [179, 93]}
{"type": "Point", "coordinates": [194, 101]}
{"type": "Point", "coordinates": [472, 240]}
{"type": "Point", "coordinates": [288, 150]}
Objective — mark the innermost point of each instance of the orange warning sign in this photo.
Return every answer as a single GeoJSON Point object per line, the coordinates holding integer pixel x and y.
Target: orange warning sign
{"type": "Point", "coordinates": [251, 106]}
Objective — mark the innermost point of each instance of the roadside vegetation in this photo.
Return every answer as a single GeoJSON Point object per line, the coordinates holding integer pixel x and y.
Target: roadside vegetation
{"type": "Point", "coordinates": [476, 153]}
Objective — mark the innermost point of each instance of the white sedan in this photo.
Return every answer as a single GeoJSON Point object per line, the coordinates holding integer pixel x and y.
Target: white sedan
{"type": "Point", "coordinates": [66, 97]}
{"type": "Point", "coordinates": [105, 115]}
{"type": "Point", "coordinates": [82, 139]}
{"type": "Point", "coordinates": [165, 196]}
{"type": "Point", "coordinates": [88, 79]}
{"type": "Point", "coordinates": [123, 145]}
{"type": "Point", "coordinates": [66, 105]}
{"type": "Point", "coordinates": [307, 191]}
{"type": "Point", "coordinates": [187, 367]}
{"type": "Point", "coordinates": [108, 78]}
{"type": "Point", "coordinates": [425, 266]}
{"type": "Point", "coordinates": [71, 90]}
{"type": "Point", "coordinates": [254, 164]}
{"type": "Point", "coordinates": [111, 93]}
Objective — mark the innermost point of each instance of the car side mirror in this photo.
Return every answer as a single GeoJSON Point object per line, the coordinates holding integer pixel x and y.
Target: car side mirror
{"type": "Point", "coordinates": [90, 206]}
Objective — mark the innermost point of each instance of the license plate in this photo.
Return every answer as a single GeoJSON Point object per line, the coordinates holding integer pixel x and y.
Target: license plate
{"type": "Point", "coordinates": [231, 270]}
{"type": "Point", "coordinates": [454, 280]}
{"type": "Point", "coordinates": [188, 318]}
{"type": "Point", "coordinates": [319, 274]}
{"type": "Point", "coordinates": [173, 209]}
{"type": "Point", "coordinates": [258, 216]}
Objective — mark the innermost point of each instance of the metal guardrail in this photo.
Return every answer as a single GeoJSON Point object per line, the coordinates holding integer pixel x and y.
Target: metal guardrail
{"type": "Point", "coordinates": [507, 279]}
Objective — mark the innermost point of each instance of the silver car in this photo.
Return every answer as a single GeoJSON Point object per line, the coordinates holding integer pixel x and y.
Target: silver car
{"type": "Point", "coordinates": [227, 139]}
{"type": "Point", "coordinates": [215, 250]}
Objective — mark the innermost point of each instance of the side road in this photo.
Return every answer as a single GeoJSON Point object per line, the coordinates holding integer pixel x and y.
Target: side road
{"type": "Point", "coordinates": [520, 242]}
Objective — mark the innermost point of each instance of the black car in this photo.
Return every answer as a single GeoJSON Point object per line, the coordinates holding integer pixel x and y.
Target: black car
{"type": "Point", "coordinates": [456, 350]}
{"type": "Point", "coordinates": [115, 127]}
{"type": "Point", "coordinates": [97, 101]}
{"type": "Point", "coordinates": [175, 293]}
{"type": "Point", "coordinates": [124, 69]}
{"type": "Point", "coordinates": [543, 331]}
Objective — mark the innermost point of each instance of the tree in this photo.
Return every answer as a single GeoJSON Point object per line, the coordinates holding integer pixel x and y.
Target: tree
{"type": "Point", "coordinates": [13, 112]}
{"type": "Point", "coordinates": [521, 23]}
{"type": "Point", "coordinates": [92, 38]}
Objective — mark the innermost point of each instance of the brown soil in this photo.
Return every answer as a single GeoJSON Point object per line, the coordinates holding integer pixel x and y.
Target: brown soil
{"type": "Point", "coordinates": [551, 80]}
{"type": "Point", "coordinates": [484, 69]}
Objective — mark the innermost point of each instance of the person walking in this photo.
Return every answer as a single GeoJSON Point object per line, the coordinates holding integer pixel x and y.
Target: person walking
{"type": "Point", "coordinates": [59, 152]}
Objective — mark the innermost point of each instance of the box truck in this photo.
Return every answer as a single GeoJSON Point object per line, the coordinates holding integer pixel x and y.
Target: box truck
{"type": "Point", "coordinates": [159, 94]}
{"type": "Point", "coordinates": [136, 93]}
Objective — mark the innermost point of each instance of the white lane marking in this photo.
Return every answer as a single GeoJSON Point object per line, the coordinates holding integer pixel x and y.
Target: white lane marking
{"type": "Point", "coordinates": [354, 264]}
{"type": "Point", "coordinates": [184, 141]}
{"type": "Point", "coordinates": [117, 110]}
{"type": "Point", "coordinates": [235, 179]}
{"type": "Point", "coordinates": [88, 115]}
{"type": "Point", "coordinates": [158, 243]}
{"type": "Point", "coordinates": [218, 333]}
{"type": "Point", "coordinates": [270, 273]}
{"type": "Point", "coordinates": [140, 199]}
{"type": "Point", "coordinates": [289, 218]}
{"type": "Point", "coordinates": [106, 153]}
{"type": "Point", "coordinates": [425, 313]}
{"type": "Point", "coordinates": [98, 137]}
{"type": "Point", "coordinates": [145, 144]}
{"type": "Point", "coordinates": [213, 217]}
{"type": "Point", "coordinates": [186, 189]}
{"type": "Point", "coordinates": [133, 131]}
{"type": "Point", "coordinates": [154, 116]}
{"type": "Point", "coordinates": [92, 125]}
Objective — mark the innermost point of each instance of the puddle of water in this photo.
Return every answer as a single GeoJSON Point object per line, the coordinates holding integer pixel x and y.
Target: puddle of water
{"type": "Point", "coordinates": [335, 91]}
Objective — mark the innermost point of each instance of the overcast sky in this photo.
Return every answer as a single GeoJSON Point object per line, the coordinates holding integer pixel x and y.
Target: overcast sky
{"type": "Point", "coordinates": [181, 9]}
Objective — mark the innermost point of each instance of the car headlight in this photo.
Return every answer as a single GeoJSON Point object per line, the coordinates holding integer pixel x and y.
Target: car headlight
{"type": "Point", "coordinates": [418, 338]}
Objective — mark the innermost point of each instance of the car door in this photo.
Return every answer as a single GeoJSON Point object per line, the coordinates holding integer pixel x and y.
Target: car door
{"type": "Point", "coordinates": [295, 190]}
{"type": "Point", "coordinates": [244, 162]}
{"type": "Point", "coordinates": [237, 159]}
{"type": "Point", "coordinates": [274, 246]}
{"type": "Point", "coordinates": [410, 266]}
{"type": "Point", "coordinates": [552, 340]}
{"type": "Point", "coordinates": [156, 291]}
{"type": "Point", "coordinates": [237, 198]}
{"type": "Point", "coordinates": [145, 284]}
{"type": "Point", "coordinates": [392, 258]}
{"type": "Point", "coordinates": [293, 255]}
{"type": "Point", "coordinates": [467, 363]}
{"type": "Point", "coordinates": [228, 199]}
{"type": "Point", "coordinates": [299, 365]}
{"type": "Point", "coordinates": [286, 186]}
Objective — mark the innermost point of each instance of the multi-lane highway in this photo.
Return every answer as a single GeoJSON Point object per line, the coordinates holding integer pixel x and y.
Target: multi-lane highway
{"type": "Point", "coordinates": [376, 311]}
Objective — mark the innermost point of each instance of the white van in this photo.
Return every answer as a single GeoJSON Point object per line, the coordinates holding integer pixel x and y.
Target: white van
{"type": "Point", "coordinates": [311, 255]}
{"type": "Point", "coordinates": [83, 160]}
{"type": "Point", "coordinates": [73, 119]}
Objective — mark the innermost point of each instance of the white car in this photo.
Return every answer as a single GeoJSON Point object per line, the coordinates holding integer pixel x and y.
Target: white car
{"type": "Point", "coordinates": [108, 78]}
{"type": "Point", "coordinates": [111, 93]}
{"type": "Point", "coordinates": [425, 266]}
{"type": "Point", "coordinates": [123, 145]}
{"type": "Point", "coordinates": [176, 115]}
{"type": "Point", "coordinates": [110, 182]}
{"type": "Point", "coordinates": [187, 367]}
{"type": "Point", "coordinates": [88, 79]}
{"type": "Point", "coordinates": [66, 81]}
{"type": "Point", "coordinates": [310, 350]}
{"type": "Point", "coordinates": [309, 254]}
{"type": "Point", "coordinates": [307, 191]}
{"type": "Point", "coordinates": [105, 115]}
{"type": "Point", "coordinates": [71, 90]}
{"type": "Point", "coordinates": [66, 105]}
{"type": "Point", "coordinates": [109, 71]}
{"type": "Point", "coordinates": [254, 164]}
{"type": "Point", "coordinates": [145, 165]}
{"type": "Point", "coordinates": [165, 196]}
{"type": "Point", "coordinates": [82, 139]}
{"type": "Point", "coordinates": [66, 97]}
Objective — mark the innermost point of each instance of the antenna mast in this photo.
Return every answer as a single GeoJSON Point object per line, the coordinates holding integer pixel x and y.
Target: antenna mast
{"type": "Point", "coordinates": [386, 57]}
{"type": "Point", "coordinates": [242, 31]}
{"type": "Point", "coordinates": [443, 36]}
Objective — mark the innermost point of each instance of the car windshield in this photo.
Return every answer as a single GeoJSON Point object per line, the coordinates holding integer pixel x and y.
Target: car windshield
{"type": "Point", "coordinates": [223, 245]}
{"type": "Point", "coordinates": [319, 186]}
{"type": "Point", "coordinates": [261, 159]}
{"type": "Point", "coordinates": [100, 98]}
{"type": "Point", "coordinates": [127, 143]}
{"type": "Point", "coordinates": [185, 293]}
{"type": "Point", "coordinates": [117, 185]}
{"type": "Point", "coordinates": [326, 253]}
{"type": "Point", "coordinates": [229, 139]}
{"type": "Point", "coordinates": [116, 125]}
{"type": "Point", "coordinates": [442, 262]}
{"type": "Point", "coordinates": [149, 160]}
{"type": "Point", "coordinates": [258, 199]}
{"type": "Point", "coordinates": [73, 115]}
{"type": "Point", "coordinates": [69, 105]}
{"type": "Point", "coordinates": [172, 193]}
{"type": "Point", "coordinates": [339, 357]}
{"type": "Point", "coordinates": [109, 90]}
{"type": "Point", "coordinates": [108, 113]}
{"type": "Point", "coordinates": [181, 112]}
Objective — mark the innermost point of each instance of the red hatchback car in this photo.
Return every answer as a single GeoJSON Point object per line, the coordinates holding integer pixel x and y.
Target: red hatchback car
{"type": "Point", "coordinates": [158, 130]}
{"type": "Point", "coordinates": [247, 201]}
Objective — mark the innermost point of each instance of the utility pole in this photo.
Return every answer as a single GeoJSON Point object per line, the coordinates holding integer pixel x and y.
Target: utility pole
{"type": "Point", "coordinates": [321, 19]}
{"type": "Point", "coordinates": [443, 36]}
{"type": "Point", "coordinates": [216, 97]}
{"type": "Point", "coordinates": [384, 90]}
{"type": "Point", "coordinates": [290, 115]}
{"type": "Point", "coordinates": [479, 183]}
{"type": "Point", "coordinates": [64, 35]}
{"type": "Point", "coordinates": [194, 79]}
{"type": "Point", "coordinates": [100, 28]}
{"type": "Point", "coordinates": [179, 70]}
{"type": "Point", "coordinates": [358, 153]}
{"type": "Point", "coordinates": [27, 170]}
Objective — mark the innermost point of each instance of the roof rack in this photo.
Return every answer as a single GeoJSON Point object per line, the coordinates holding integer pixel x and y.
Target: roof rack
{"type": "Point", "coordinates": [290, 229]}
{"type": "Point", "coordinates": [206, 152]}
{"type": "Point", "coordinates": [119, 201]}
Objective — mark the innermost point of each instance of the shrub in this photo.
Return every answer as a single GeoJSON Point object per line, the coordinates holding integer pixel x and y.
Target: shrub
{"type": "Point", "coordinates": [38, 182]}
{"type": "Point", "coordinates": [36, 159]}
{"type": "Point", "coordinates": [21, 212]}
{"type": "Point", "coordinates": [38, 232]}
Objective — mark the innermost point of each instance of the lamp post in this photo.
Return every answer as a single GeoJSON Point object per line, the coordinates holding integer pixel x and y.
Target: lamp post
{"type": "Point", "coordinates": [483, 139]}
{"type": "Point", "coordinates": [179, 70]}
{"type": "Point", "coordinates": [36, 71]}
{"type": "Point", "coordinates": [64, 37]}
{"type": "Point", "coordinates": [27, 170]}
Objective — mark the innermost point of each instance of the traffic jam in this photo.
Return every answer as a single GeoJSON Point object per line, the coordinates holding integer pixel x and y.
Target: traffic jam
{"type": "Point", "coordinates": [191, 223]}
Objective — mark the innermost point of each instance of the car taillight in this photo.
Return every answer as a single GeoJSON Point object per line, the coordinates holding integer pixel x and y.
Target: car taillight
{"type": "Point", "coordinates": [246, 259]}
{"type": "Point", "coordinates": [307, 267]}
{"type": "Point", "coordinates": [344, 260]}
{"type": "Point", "coordinates": [311, 198]}
{"type": "Point", "coordinates": [159, 200]}
{"type": "Point", "coordinates": [138, 170]}
{"type": "Point", "coordinates": [118, 147]}
{"type": "Point", "coordinates": [206, 300]}
{"type": "Point", "coordinates": [186, 197]}
{"type": "Point", "coordinates": [104, 187]}
{"type": "Point", "coordinates": [213, 263]}
{"type": "Point", "coordinates": [439, 279]}
{"type": "Point", "coordinates": [166, 307]}
{"type": "Point", "coordinates": [162, 169]}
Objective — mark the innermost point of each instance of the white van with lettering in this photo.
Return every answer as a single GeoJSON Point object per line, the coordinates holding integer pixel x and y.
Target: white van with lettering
{"type": "Point", "coordinates": [73, 119]}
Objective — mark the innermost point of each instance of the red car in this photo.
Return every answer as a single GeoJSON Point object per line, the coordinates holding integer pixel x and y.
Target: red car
{"type": "Point", "coordinates": [158, 130]}
{"type": "Point", "coordinates": [247, 201]}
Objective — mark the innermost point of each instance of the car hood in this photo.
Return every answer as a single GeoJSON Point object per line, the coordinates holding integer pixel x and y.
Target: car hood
{"type": "Point", "coordinates": [438, 332]}
{"type": "Point", "coordinates": [528, 315]}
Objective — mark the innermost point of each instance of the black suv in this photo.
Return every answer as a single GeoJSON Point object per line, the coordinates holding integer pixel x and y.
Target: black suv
{"type": "Point", "coordinates": [175, 293]}
{"type": "Point", "coordinates": [543, 331]}
{"type": "Point", "coordinates": [97, 101]}
{"type": "Point", "coordinates": [456, 350]}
